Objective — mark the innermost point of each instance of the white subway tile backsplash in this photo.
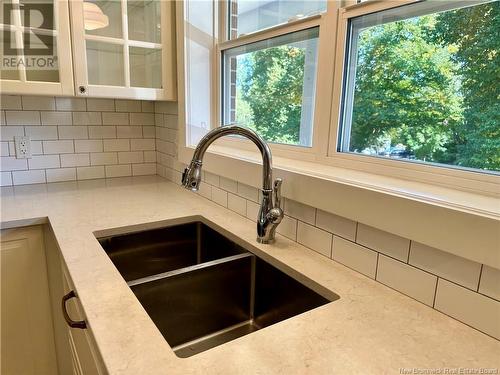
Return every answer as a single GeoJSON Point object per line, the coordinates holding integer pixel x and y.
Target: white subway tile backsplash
{"type": "Point", "coordinates": [56, 118]}
{"type": "Point", "coordinates": [103, 158]}
{"type": "Point", "coordinates": [89, 145]}
{"type": "Point", "coordinates": [102, 132]}
{"type": "Point", "coordinates": [73, 132]}
{"type": "Point", "coordinates": [336, 224]}
{"type": "Point", "coordinates": [116, 145]}
{"type": "Point", "coordinates": [5, 178]}
{"type": "Point", "coordinates": [61, 174]}
{"type": "Point", "coordinates": [149, 156]}
{"type": "Point", "coordinates": [219, 196]}
{"type": "Point", "coordinates": [457, 269]}
{"type": "Point", "coordinates": [73, 128]}
{"type": "Point", "coordinates": [118, 170]}
{"type": "Point", "coordinates": [10, 163]}
{"type": "Point", "coordinates": [248, 192]}
{"type": "Point", "coordinates": [44, 161]}
{"type": "Point", "coordinates": [474, 309]}
{"type": "Point", "coordinates": [127, 105]}
{"type": "Point", "coordinates": [41, 133]}
{"type": "Point", "coordinates": [237, 204]}
{"type": "Point", "coordinates": [142, 119]}
{"type": "Point", "coordinates": [58, 147]}
{"type": "Point", "coordinates": [89, 173]}
{"type": "Point", "coordinates": [354, 256]}
{"type": "Point", "coordinates": [115, 118]}
{"type": "Point", "coordinates": [228, 185]}
{"type": "Point", "coordinates": [36, 148]}
{"type": "Point", "coordinates": [4, 149]}
{"type": "Point", "coordinates": [75, 160]}
{"type": "Point", "coordinates": [28, 177]}
{"type": "Point", "coordinates": [205, 189]}
{"type": "Point", "coordinates": [10, 102]}
{"type": "Point", "coordinates": [314, 238]}
{"type": "Point", "coordinates": [143, 169]}
{"type": "Point", "coordinates": [22, 118]}
{"type": "Point", "coordinates": [41, 103]}
{"type": "Point", "coordinates": [211, 178]}
{"type": "Point", "coordinates": [101, 105]}
{"type": "Point", "coordinates": [252, 210]}
{"type": "Point", "coordinates": [409, 280]}
{"type": "Point", "coordinates": [130, 157]}
{"type": "Point", "coordinates": [7, 133]}
{"type": "Point", "coordinates": [384, 242]}
{"type": "Point", "coordinates": [148, 132]}
{"type": "Point", "coordinates": [71, 104]}
{"type": "Point", "coordinates": [171, 121]}
{"type": "Point", "coordinates": [87, 118]}
{"type": "Point", "coordinates": [128, 132]}
{"type": "Point", "coordinates": [148, 106]}
{"type": "Point", "coordinates": [300, 211]}
{"type": "Point", "coordinates": [288, 227]}
{"type": "Point", "coordinates": [142, 144]}
{"type": "Point", "coordinates": [490, 282]}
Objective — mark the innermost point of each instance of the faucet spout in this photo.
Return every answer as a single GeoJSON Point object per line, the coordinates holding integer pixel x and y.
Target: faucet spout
{"type": "Point", "coordinates": [270, 213]}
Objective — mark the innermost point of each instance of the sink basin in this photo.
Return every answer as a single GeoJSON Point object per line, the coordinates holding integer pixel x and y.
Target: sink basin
{"type": "Point", "coordinates": [205, 290]}
{"type": "Point", "coordinates": [154, 251]}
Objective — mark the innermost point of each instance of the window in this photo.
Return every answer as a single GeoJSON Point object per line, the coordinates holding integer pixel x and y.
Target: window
{"type": "Point", "coordinates": [402, 89]}
{"type": "Point", "coordinates": [421, 83]}
{"type": "Point", "coordinates": [269, 86]}
{"type": "Point", "coordinates": [249, 16]}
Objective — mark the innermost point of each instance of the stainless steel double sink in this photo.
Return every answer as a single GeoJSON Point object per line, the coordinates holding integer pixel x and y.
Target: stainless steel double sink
{"type": "Point", "coordinates": [202, 289]}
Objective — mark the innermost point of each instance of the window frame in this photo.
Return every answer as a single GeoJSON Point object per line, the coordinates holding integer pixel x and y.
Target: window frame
{"type": "Point", "coordinates": [419, 171]}
{"type": "Point", "coordinates": [320, 127]}
{"type": "Point", "coordinates": [328, 100]}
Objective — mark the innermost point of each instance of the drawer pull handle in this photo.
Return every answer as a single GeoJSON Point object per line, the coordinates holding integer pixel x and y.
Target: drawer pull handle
{"type": "Point", "coordinates": [72, 323]}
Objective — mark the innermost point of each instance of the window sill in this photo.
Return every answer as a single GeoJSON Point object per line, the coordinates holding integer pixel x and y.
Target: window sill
{"type": "Point", "coordinates": [459, 222]}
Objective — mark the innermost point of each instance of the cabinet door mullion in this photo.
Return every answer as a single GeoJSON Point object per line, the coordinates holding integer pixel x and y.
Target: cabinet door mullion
{"type": "Point", "coordinates": [126, 57]}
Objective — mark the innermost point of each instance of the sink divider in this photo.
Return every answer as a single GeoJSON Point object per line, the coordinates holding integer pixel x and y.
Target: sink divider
{"type": "Point", "coordinates": [212, 263]}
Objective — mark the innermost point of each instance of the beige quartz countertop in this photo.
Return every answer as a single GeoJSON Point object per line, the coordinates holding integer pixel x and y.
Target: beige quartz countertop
{"type": "Point", "coordinates": [371, 329]}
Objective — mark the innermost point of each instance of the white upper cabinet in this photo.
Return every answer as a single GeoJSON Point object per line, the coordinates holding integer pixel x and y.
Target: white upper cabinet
{"type": "Point", "coordinates": [35, 47]}
{"type": "Point", "coordinates": [124, 49]}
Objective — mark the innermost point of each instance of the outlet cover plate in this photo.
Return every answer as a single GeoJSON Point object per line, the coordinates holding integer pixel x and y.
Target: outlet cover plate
{"type": "Point", "coordinates": [23, 147]}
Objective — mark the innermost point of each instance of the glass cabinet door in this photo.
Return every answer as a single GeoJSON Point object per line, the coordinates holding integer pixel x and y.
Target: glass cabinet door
{"type": "Point", "coordinates": [126, 50]}
{"type": "Point", "coordinates": [35, 47]}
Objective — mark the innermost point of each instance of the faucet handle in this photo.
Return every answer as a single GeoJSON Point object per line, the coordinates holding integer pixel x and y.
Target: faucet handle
{"type": "Point", "coordinates": [277, 192]}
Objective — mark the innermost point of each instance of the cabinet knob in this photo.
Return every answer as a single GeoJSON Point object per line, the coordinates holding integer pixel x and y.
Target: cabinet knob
{"type": "Point", "coordinates": [82, 90]}
{"type": "Point", "coordinates": [72, 323]}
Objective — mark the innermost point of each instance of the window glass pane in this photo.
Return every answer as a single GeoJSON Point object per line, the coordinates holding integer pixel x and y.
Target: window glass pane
{"type": "Point", "coordinates": [200, 47]}
{"type": "Point", "coordinates": [145, 67]}
{"type": "Point", "coordinates": [269, 86]}
{"type": "Point", "coordinates": [105, 63]}
{"type": "Point", "coordinates": [144, 21]}
{"type": "Point", "coordinates": [248, 16]}
{"type": "Point", "coordinates": [422, 84]}
{"type": "Point", "coordinates": [103, 18]}
{"type": "Point", "coordinates": [37, 13]}
{"type": "Point", "coordinates": [40, 55]}
{"type": "Point", "coordinates": [8, 51]}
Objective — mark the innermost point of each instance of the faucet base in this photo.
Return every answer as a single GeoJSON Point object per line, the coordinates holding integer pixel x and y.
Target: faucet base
{"type": "Point", "coordinates": [265, 242]}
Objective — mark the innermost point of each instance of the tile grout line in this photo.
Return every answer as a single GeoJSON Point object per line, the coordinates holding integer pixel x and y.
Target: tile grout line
{"type": "Point", "coordinates": [479, 280]}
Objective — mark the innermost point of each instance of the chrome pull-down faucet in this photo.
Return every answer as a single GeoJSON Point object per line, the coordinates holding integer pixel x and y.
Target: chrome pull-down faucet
{"type": "Point", "coordinates": [270, 213]}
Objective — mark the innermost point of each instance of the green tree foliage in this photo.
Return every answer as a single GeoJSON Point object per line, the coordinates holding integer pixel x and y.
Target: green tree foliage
{"type": "Point", "coordinates": [428, 84]}
{"type": "Point", "coordinates": [405, 90]}
{"type": "Point", "coordinates": [270, 92]}
{"type": "Point", "coordinates": [475, 31]}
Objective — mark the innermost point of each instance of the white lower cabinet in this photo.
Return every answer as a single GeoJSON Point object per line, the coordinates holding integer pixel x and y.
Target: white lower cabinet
{"type": "Point", "coordinates": [84, 354]}
{"type": "Point", "coordinates": [35, 338]}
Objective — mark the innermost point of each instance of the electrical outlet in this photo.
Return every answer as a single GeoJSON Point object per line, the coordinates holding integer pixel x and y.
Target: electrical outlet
{"type": "Point", "coordinates": [23, 147]}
